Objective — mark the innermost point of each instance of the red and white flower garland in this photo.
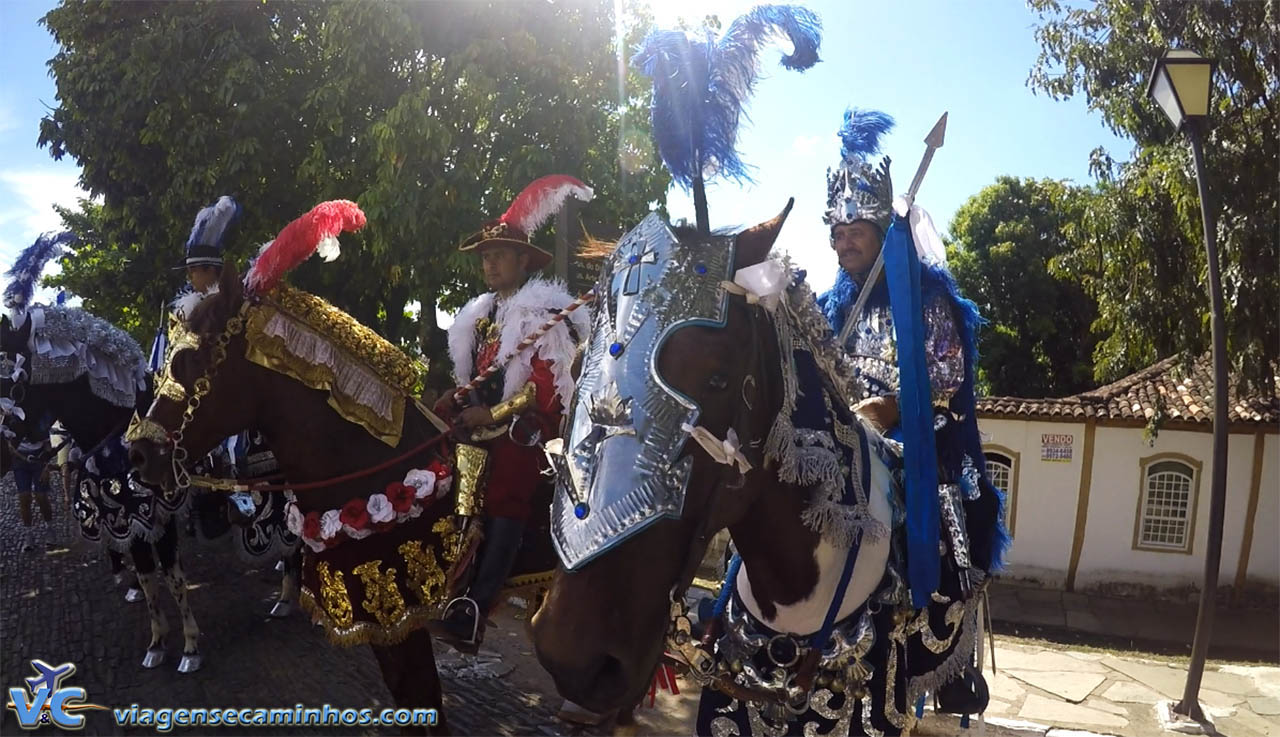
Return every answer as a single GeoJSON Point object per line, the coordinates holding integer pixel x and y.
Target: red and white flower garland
{"type": "Point", "coordinates": [360, 518]}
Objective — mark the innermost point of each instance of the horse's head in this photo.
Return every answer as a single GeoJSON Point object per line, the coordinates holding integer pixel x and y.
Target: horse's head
{"type": "Point", "coordinates": [674, 355]}
{"type": "Point", "coordinates": [201, 396]}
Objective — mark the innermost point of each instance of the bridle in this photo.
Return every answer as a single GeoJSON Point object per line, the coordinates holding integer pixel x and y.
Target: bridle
{"type": "Point", "coordinates": [145, 428]}
{"type": "Point", "coordinates": [697, 655]}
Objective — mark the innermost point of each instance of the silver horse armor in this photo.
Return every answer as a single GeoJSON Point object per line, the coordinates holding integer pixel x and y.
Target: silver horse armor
{"type": "Point", "coordinates": [620, 469]}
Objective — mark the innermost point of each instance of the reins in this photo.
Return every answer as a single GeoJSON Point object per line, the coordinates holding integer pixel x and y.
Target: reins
{"type": "Point", "coordinates": [257, 485]}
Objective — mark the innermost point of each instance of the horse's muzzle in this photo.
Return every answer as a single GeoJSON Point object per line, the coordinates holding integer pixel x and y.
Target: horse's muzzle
{"type": "Point", "coordinates": [152, 462]}
{"type": "Point", "coordinates": [593, 664]}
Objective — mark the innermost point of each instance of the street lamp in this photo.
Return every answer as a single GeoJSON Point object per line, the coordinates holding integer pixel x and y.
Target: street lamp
{"type": "Point", "coordinates": [1181, 82]}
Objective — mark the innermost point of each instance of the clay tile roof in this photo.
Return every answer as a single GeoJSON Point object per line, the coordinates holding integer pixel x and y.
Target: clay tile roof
{"type": "Point", "coordinates": [1187, 397]}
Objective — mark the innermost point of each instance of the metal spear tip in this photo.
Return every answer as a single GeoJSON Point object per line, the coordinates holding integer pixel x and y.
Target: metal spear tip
{"type": "Point", "coordinates": [938, 133]}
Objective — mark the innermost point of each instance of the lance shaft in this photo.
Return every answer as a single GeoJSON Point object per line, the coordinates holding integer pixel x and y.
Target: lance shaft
{"type": "Point", "coordinates": [529, 340]}
{"type": "Point", "coordinates": [932, 143]}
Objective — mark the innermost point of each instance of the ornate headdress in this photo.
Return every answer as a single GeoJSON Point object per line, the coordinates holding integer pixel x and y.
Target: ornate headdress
{"type": "Point", "coordinates": [858, 189]}
{"type": "Point", "coordinates": [27, 269]}
{"type": "Point", "coordinates": [204, 246]}
{"type": "Point", "coordinates": [623, 465]}
{"type": "Point", "coordinates": [315, 232]}
{"type": "Point", "coordinates": [528, 212]}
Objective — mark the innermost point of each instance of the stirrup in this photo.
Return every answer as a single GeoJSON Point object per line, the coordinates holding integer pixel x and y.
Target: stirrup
{"type": "Point", "coordinates": [968, 694]}
{"type": "Point", "coordinates": [471, 644]}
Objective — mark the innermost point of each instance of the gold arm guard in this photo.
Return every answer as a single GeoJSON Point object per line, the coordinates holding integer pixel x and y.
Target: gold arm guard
{"type": "Point", "coordinates": [519, 402]}
{"type": "Point", "coordinates": [472, 461]}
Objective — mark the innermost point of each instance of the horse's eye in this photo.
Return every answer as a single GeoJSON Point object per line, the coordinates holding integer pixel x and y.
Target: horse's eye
{"type": "Point", "coordinates": [718, 382]}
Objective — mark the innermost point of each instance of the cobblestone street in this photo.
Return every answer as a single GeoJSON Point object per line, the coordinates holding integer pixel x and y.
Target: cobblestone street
{"type": "Point", "coordinates": [60, 605]}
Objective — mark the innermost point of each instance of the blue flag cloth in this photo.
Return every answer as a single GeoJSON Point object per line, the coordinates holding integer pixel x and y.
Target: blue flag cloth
{"type": "Point", "coordinates": [158, 348]}
{"type": "Point", "coordinates": [915, 407]}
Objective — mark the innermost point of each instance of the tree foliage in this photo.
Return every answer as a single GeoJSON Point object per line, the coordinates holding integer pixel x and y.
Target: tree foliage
{"type": "Point", "coordinates": [432, 116]}
{"type": "Point", "coordinates": [1038, 340]}
{"type": "Point", "coordinates": [1140, 251]}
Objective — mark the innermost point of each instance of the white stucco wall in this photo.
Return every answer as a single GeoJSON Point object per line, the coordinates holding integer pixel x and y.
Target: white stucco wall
{"type": "Point", "coordinates": [1045, 510]}
{"type": "Point", "coordinates": [1108, 553]}
{"type": "Point", "coordinates": [1047, 497]}
{"type": "Point", "coordinates": [1264, 556]}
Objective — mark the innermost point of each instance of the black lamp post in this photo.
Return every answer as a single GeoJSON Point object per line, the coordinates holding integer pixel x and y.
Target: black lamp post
{"type": "Point", "coordinates": [1181, 82]}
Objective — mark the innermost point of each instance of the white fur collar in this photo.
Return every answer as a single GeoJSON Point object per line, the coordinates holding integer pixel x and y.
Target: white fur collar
{"type": "Point", "coordinates": [517, 317]}
{"type": "Point", "coordinates": [183, 305]}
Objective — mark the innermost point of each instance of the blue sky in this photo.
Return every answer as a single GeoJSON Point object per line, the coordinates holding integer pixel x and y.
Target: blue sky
{"type": "Point", "coordinates": [914, 59]}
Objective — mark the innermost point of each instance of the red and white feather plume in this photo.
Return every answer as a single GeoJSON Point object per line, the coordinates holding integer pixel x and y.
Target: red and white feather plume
{"type": "Point", "coordinates": [541, 199]}
{"type": "Point", "coordinates": [317, 231]}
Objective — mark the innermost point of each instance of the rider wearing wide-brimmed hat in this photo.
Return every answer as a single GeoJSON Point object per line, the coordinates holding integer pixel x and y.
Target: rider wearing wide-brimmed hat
{"type": "Point", "coordinates": [524, 400]}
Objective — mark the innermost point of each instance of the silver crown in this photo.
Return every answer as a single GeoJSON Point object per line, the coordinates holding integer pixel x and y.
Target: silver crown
{"type": "Point", "coordinates": [857, 190]}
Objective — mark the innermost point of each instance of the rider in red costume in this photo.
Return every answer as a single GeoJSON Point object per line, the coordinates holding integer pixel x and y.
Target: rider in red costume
{"type": "Point", "coordinates": [522, 403]}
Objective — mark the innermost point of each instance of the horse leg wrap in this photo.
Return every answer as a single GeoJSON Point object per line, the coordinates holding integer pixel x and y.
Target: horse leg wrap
{"type": "Point", "coordinates": [159, 622]}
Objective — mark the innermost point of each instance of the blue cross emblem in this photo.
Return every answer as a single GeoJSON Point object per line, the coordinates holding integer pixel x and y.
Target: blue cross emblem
{"type": "Point", "coordinates": [636, 267]}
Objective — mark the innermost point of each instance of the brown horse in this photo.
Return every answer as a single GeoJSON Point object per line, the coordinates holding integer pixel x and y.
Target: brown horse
{"type": "Point", "coordinates": [602, 628]}
{"type": "Point", "coordinates": [378, 590]}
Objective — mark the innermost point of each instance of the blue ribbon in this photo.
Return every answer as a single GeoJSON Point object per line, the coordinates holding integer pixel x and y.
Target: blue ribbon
{"type": "Point", "coordinates": [915, 407]}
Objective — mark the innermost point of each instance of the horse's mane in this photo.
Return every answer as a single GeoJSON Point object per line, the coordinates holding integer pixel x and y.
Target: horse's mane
{"type": "Point", "coordinates": [71, 343]}
{"type": "Point", "coordinates": [594, 250]}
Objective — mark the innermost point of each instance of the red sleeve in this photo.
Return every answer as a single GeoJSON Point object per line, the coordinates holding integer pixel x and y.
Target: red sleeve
{"type": "Point", "coordinates": [546, 403]}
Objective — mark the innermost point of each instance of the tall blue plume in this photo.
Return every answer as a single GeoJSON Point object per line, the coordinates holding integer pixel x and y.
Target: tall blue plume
{"type": "Point", "coordinates": [860, 134]}
{"type": "Point", "coordinates": [28, 267]}
{"type": "Point", "coordinates": [700, 86]}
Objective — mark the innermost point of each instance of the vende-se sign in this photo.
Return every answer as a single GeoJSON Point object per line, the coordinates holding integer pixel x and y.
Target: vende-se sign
{"type": "Point", "coordinates": [1056, 447]}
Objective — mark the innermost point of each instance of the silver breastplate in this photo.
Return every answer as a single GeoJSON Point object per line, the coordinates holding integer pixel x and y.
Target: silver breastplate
{"type": "Point", "coordinates": [874, 351]}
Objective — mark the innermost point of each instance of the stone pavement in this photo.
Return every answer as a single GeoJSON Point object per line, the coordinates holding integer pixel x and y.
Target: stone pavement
{"type": "Point", "coordinates": [58, 603]}
{"type": "Point", "coordinates": [1135, 622]}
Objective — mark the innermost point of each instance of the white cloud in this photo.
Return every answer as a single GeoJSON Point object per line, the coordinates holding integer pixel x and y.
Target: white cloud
{"type": "Point", "coordinates": [32, 194]}
{"type": "Point", "coordinates": [28, 198]}
{"type": "Point", "coordinates": [806, 145]}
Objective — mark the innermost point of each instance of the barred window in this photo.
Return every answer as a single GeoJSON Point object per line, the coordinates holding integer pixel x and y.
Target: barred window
{"type": "Point", "coordinates": [1000, 469]}
{"type": "Point", "coordinates": [1168, 500]}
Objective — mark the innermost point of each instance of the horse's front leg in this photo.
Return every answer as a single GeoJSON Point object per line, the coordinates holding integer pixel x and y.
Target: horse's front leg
{"type": "Point", "coordinates": [288, 585]}
{"type": "Point", "coordinates": [121, 572]}
{"type": "Point", "coordinates": [409, 670]}
{"type": "Point", "coordinates": [171, 565]}
{"type": "Point", "coordinates": [144, 563]}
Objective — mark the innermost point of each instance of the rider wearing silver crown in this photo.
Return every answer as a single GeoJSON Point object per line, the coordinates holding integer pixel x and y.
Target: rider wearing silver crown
{"type": "Point", "coordinates": [860, 209]}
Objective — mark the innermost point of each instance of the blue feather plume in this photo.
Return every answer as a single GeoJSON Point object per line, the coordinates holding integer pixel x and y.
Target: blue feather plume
{"type": "Point", "coordinates": [860, 134]}
{"type": "Point", "coordinates": [700, 86]}
{"type": "Point", "coordinates": [28, 267]}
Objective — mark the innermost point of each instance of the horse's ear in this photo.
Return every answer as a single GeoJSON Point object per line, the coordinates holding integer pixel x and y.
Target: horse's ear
{"type": "Point", "coordinates": [755, 242]}
{"type": "Point", "coordinates": [229, 282]}
{"type": "Point", "coordinates": [231, 287]}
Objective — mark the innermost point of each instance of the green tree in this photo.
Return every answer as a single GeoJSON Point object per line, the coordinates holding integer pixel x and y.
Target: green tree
{"type": "Point", "coordinates": [1038, 341]}
{"type": "Point", "coordinates": [432, 116]}
{"type": "Point", "coordinates": [1141, 252]}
